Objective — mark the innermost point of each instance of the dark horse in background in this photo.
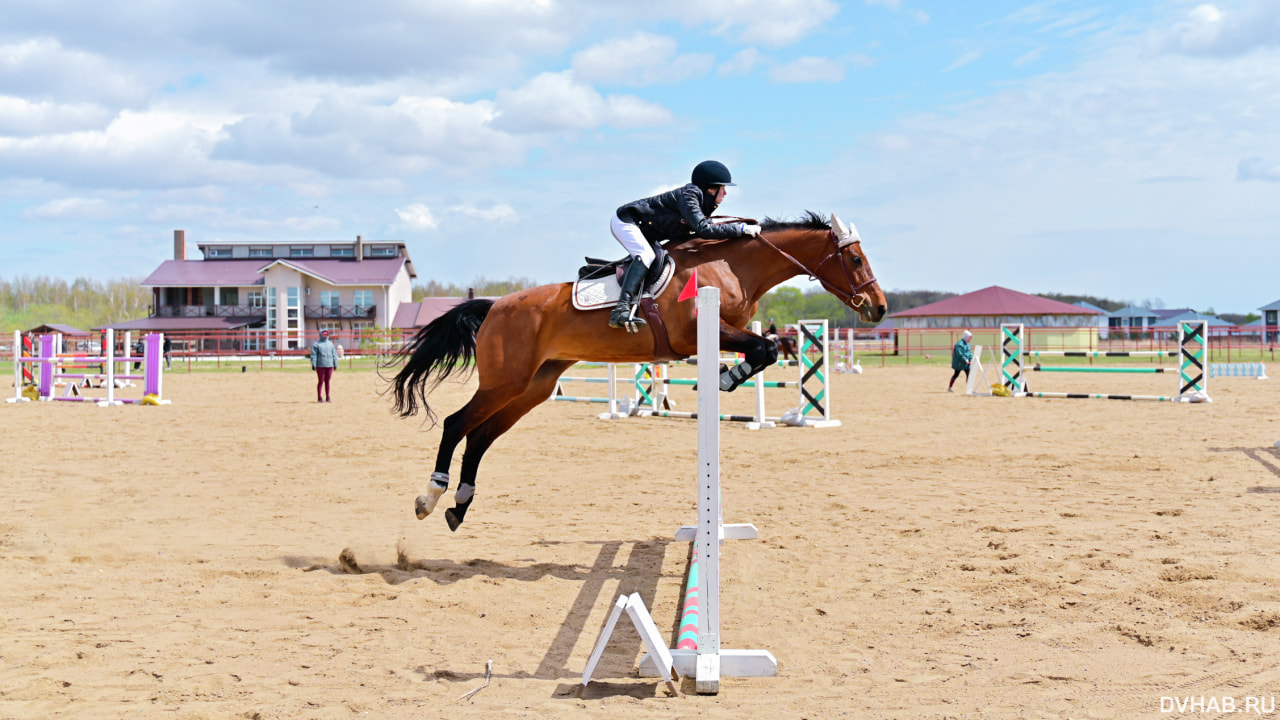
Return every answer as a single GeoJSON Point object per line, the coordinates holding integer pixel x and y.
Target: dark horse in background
{"type": "Point", "coordinates": [787, 348]}
{"type": "Point", "coordinates": [523, 342]}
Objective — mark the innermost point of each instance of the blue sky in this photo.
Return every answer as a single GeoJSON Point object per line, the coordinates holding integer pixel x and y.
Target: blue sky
{"type": "Point", "coordinates": [1123, 149]}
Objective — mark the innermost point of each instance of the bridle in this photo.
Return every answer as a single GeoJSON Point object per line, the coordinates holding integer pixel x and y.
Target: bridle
{"type": "Point", "coordinates": [852, 297]}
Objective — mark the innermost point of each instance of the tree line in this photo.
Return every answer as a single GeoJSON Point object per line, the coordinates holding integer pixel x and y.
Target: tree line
{"type": "Point", "coordinates": [26, 302]}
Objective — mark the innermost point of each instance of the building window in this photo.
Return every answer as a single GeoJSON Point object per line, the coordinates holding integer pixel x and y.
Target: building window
{"type": "Point", "coordinates": [261, 252]}
{"type": "Point", "coordinates": [219, 253]}
{"type": "Point", "coordinates": [257, 299]}
{"type": "Point", "coordinates": [382, 252]}
{"type": "Point", "coordinates": [230, 296]}
{"type": "Point", "coordinates": [302, 252]}
{"type": "Point", "coordinates": [342, 252]}
{"type": "Point", "coordinates": [362, 299]}
{"type": "Point", "coordinates": [329, 299]}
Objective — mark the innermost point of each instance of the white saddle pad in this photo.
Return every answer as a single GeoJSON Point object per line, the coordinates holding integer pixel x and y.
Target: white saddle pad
{"type": "Point", "coordinates": [598, 293]}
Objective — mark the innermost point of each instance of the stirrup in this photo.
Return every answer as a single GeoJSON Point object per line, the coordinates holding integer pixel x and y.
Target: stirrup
{"type": "Point", "coordinates": [626, 318]}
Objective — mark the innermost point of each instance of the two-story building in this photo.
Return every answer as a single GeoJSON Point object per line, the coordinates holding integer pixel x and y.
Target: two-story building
{"type": "Point", "coordinates": [1271, 321]}
{"type": "Point", "coordinates": [280, 294]}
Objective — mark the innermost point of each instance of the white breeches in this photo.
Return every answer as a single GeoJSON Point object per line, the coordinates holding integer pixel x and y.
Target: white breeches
{"type": "Point", "coordinates": [630, 237]}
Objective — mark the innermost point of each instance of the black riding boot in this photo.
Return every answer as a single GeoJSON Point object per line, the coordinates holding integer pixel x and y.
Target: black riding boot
{"type": "Point", "coordinates": [631, 280]}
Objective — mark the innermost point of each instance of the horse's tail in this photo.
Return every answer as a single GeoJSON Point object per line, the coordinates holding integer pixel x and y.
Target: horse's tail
{"type": "Point", "coordinates": [446, 344]}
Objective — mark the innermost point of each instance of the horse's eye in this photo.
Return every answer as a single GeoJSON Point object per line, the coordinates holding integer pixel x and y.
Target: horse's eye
{"type": "Point", "coordinates": [857, 261]}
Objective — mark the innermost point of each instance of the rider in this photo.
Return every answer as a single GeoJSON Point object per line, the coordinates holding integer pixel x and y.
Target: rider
{"type": "Point", "coordinates": [682, 212]}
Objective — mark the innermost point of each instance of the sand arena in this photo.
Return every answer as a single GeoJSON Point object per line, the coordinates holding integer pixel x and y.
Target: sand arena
{"type": "Point", "coordinates": [937, 556]}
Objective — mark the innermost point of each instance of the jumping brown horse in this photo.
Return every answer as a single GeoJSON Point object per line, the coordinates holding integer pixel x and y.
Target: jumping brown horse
{"type": "Point", "coordinates": [523, 342]}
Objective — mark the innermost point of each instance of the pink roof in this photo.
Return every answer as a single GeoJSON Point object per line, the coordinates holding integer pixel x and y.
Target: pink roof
{"type": "Point", "coordinates": [419, 314]}
{"type": "Point", "coordinates": [165, 324]}
{"type": "Point", "coordinates": [244, 273]}
{"type": "Point", "coordinates": [996, 300]}
{"type": "Point", "coordinates": [58, 328]}
{"type": "Point", "coordinates": [206, 273]}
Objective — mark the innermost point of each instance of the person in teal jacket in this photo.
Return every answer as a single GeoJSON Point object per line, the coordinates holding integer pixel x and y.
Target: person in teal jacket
{"type": "Point", "coordinates": [961, 358]}
{"type": "Point", "coordinates": [324, 360]}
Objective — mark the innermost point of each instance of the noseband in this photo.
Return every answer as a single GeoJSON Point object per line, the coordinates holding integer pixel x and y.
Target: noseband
{"type": "Point", "coordinates": [853, 296]}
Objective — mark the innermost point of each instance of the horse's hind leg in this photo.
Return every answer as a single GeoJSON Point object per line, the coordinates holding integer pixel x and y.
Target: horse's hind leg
{"type": "Point", "coordinates": [479, 439]}
{"type": "Point", "coordinates": [457, 426]}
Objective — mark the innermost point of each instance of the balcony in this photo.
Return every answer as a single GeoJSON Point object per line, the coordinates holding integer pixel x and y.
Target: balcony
{"type": "Point", "coordinates": [227, 311]}
{"type": "Point", "coordinates": [357, 312]}
{"type": "Point", "coordinates": [353, 312]}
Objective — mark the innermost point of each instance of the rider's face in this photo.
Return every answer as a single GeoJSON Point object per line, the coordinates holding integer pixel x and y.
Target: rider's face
{"type": "Point", "coordinates": [718, 192]}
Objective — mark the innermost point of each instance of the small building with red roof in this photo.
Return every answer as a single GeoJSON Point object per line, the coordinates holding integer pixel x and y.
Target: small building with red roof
{"type": "Point", "coordinates": [982, 312]}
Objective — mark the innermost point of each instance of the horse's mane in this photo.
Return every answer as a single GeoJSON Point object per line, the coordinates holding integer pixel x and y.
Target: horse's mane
{"type": "Point", "coordinates": [809, 221]}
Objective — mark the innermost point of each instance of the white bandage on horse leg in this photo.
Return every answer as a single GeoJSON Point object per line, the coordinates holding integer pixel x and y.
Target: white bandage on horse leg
{"type": "Point", "coordinates": [439, 484]}
{"type": "Point", "coordinates": [464, 494]}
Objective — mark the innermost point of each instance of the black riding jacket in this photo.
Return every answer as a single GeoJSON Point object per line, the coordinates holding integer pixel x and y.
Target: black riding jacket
{"type": "Point", "coordinates": [678, 214]}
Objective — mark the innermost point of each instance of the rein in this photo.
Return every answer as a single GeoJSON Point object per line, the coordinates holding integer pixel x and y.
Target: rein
{"type": "Point", "coordinates": [851, 297]}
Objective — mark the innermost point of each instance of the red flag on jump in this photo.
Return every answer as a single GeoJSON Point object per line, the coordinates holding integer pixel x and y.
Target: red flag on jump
{"type": "Point", "coordinates": [690, 288]}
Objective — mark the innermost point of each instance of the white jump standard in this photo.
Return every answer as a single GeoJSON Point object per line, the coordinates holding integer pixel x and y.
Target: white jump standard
{"type": "Point", "coordinates": [709, 662]}
{"type": "Point", "coordinates": [1192, 353]}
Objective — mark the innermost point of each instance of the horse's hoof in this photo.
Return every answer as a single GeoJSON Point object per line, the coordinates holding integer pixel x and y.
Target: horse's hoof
{"type": "Point", "coordinates": [452, 517]}
{"type": "Point", "coordinates": [423, 507]}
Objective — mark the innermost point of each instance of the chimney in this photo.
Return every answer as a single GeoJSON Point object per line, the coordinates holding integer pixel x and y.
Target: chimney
{"type": "Point", "coordinates": [359, 248]}
{"type": "Point", "coordinates": [179, 244]}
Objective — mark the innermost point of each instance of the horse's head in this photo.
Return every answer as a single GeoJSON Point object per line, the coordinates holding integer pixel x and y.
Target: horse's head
{"type": "Point", "coordinates": [850, 278]}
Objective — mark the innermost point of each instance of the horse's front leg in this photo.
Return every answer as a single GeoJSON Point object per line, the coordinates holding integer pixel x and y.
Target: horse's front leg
{"type": "Point", "coordinates": [760, 353]}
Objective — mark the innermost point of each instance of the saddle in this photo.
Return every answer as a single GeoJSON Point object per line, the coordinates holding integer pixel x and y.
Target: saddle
{"type": "Point", "coordinates": [598, 286]}
{"type": "Point", "coordinates": [598, 268]}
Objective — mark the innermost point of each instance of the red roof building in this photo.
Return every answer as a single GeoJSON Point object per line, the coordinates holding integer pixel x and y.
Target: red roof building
{"type": "Point", "coordinates": [990, 307]}
{"type": "Point", "coordinates": [937, 326]}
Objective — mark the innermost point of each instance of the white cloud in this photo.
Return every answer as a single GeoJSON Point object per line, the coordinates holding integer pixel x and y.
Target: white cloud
{"type": "Point", "coordinates": [742, 63]}
{"type": "Point", "coordinates": [642, 59]}
{"type": "Point", "coordinates": [43, 69]}
{"type": "Point", "coordinates": [919, 16]}
{"type": "Point", "coordinates": [963, 60]}
{"type": "Point", "coordinates": [137, 149]}
{"type": "Point", "coordinates": [772, 23]}
{"type": "Point", "coordinates": [1134, 160]}
{"type": "Point", "coordinates": [417, 217]}
{"type": "Point", "coordinates": [1030, 56]}
{"type": "Point", "coordinates": [500, 213]}
{"type": "Point", "coordinates": [554, 102]}
{"type": "Point", "coordinates": [74, 208]}
{"type": "Point", "coordinates": [347, 136]}
{"type": "Point", "coordinates": [808, 70]}
{"type": "Point", "coordinates": [1208, 29]}
{"type": "Point", "coordinates": [20, 117]}
{"type": "Point", "coordinates": [1256, 168]}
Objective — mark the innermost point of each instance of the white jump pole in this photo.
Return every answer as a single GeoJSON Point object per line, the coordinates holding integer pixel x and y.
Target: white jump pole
{"type": "Point", "coordinates": [17, 369]}
{"type": "Point", "coordinates": [761, 422]}
{"type": "Point", "coordinates": [710, 661]}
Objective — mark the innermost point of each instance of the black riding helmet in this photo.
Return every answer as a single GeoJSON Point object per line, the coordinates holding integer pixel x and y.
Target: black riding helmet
{"type": "Point", "coordinates": [711, 172]}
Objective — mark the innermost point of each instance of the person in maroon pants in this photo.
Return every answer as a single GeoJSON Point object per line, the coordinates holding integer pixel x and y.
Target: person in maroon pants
{"type": "Point", "coordinates": [324, 360]}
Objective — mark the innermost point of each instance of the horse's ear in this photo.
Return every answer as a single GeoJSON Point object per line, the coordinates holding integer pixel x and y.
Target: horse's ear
{"type": "Point", "coordinates": [848, 233]}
